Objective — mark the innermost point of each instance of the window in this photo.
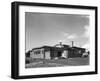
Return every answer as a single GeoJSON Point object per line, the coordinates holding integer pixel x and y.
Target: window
{"type": "Point", "coordinates": [37, 52]}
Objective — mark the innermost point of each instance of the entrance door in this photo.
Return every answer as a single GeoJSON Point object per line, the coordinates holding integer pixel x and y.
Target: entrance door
{"type": "Point", "coordinates": [59, 54]}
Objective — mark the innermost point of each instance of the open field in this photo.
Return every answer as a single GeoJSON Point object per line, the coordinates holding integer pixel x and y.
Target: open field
{"type": "Point", "coordinates": [36, 63]}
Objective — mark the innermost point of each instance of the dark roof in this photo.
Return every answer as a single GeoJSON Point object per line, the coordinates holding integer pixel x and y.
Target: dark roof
{"type": "Point", "coordinates": [49, 48]}
{"type": "Point", "coordinates": [78, 47]}
{"type": "Point", "coordinates": [58, 48]}
{"type": "Point", "coordinates": [42, 47]}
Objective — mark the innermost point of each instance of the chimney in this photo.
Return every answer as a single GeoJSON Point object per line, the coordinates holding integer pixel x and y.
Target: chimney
{"type": "Point", "coordinates": [61, 44]}
{"type": "Point", "coordinates": [72, 43]}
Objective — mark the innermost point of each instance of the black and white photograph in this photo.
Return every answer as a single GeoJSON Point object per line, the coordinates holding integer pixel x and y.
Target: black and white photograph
{"type": "Point", "coordinates": [54, 40]}
{"type": "Point", "coordinates": [50, 40]}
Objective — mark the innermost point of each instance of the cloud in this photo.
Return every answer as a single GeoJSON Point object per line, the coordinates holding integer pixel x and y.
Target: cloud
{"type": "Point", "coordinates": [85, 16]}
{"type": "Point", "coordinates": [65, 34]}
{"type": "Point", "coordinates": [86, 32]}
{"type": "Point", "coordinates": [87, 46]}
{"type": "Point", "coordinates": [69, 36]}
{"type": "Point", "coordinates": [62, 41]}
{"type": "Point", "coordinates": [72, 36]}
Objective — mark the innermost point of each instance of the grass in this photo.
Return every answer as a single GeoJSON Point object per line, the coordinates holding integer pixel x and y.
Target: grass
{"type": "Point", "coordinates": [36, 63]}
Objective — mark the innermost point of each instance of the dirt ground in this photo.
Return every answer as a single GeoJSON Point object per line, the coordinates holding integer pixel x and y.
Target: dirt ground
{"type": "Point", "coordinates": [37, 63]}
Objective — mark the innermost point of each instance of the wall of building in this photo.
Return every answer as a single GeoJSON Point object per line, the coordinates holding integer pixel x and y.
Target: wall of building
{"type": "Point", "coordinates": [72, 53]}
{"type": "Point", "coordinates": [47, 55]}
{"type": "Point", "coordinates": [37, 53]}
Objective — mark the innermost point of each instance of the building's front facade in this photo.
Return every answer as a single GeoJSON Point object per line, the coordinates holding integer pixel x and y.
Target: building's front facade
{"type": "Point", "coordinates": [56, 52]}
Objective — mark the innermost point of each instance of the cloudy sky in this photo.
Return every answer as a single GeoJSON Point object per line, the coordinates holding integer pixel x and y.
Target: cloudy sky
{"type": "Point", "coordinates": [50, 29]}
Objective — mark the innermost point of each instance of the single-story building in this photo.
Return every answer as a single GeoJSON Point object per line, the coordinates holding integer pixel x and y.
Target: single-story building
{"type": "Point", "coordinates": [56, 52]}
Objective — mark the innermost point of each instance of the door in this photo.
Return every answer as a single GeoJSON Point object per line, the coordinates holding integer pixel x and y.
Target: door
{"type": "Point", "coordinates": [59, 54]}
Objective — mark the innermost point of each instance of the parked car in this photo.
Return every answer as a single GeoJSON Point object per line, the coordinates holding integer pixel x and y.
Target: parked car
{"type": "Point", "coordinates": [86, 54]}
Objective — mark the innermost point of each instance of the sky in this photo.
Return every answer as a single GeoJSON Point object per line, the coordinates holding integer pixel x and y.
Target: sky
{"type": "Point", "coordinates": [50, 29]}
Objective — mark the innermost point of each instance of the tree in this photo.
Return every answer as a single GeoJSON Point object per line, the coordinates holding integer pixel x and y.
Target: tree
{"type": "Point", "coordinates": [28, 53]}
